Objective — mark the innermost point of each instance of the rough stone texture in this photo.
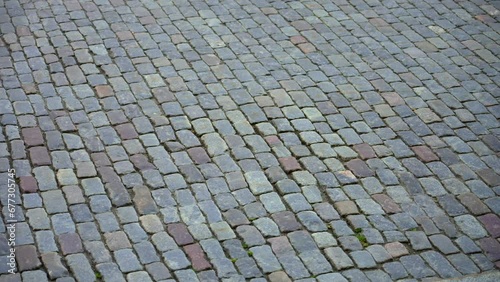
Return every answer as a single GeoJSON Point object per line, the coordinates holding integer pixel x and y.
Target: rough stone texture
{"type": "Point", "coordinates": [32, 136]}
{"type": "Point", "coordinates": [53, 263]}
{"type": "Point", "coordinates": [250, 140]}
{"type": "Point", "coordinates": [28, 184]}
{"type": "Point", "coordinates": [338, 258]}
{"type": "Point", "coordinates": [39, 156]}
{"type": "Point", "coordinates": [80, 267]}
{"type": "Point", "coordinates": [143, 201]}
{"type": "Point", "coordinates": [425, 154]}
{"type": "Point", "coordinates": [197, 257]}
{"type": "Point", "coordinates": [27, 257]}
{"type": "Point", "coordinates": [492, 224]}
{"type": "Point", "coordinates": [180, 233]}
{"type": "Point", "coordinates": [70, 243]}
{"type": "Point", "coordinates": [396, 249]}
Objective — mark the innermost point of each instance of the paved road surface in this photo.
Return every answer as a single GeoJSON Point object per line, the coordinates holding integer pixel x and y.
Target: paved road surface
{"type": "Point", "coordinates": [249, 140]}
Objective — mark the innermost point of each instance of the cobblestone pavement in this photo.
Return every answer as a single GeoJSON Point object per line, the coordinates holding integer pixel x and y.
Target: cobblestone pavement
{"type": "Point", "coordinates": [249, 140]}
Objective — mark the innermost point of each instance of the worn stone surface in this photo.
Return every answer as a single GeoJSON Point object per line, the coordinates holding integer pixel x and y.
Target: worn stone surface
{"type": "Point", "coordinates": [180, 233]}
{"type": "Point", "coordinates": [197, 257]}
{"type": "Point", "coordinates": [55, 268]}
{"type": "Point", "coordinates": [70, 243]}
{"type": "Point", "coordinates": [27, 257]}
{"type": "Point", "coordinates": [239, 140]}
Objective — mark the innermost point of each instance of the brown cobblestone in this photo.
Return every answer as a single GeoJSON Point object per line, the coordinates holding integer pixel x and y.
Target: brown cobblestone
{"type": "Point", "coordinates": [104, 91]}
{"type": "Point", "coordinates": [28, 184]}
{"type": "Point", "coordinates": [491, 247]}
{"type": "Point", "coordinates": [127, 131]}
{"type": "Point", "coordinates": [27, 257]}
{"type": "Point", "coordinates": [473, 203]}
{"type": "Point", "coordinates": [39, 156]}
{"type": "Point", "coordinates": [387, 203]}
{"type": "Point", "coordinates": [289, 164]}
{"type": "Point", "coordinates": [492, 223]}
{"type": "Point", "coordinates": [396, 249]}
{"type": "Point", "coordinates": [180, 234]}
{"type": "Point", "coordinates": [346, 207]}
{"type": "Point", "coordinates": [199, 155]}
{"type": "Point", "coordinates": [359, 168]}
{"type": "Point", "coordinates": [32, 136]}
{"type": "Point", "coordinates": [425, 154]}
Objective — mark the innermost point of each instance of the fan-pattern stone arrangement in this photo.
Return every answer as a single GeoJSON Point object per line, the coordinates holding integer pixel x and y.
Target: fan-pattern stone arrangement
{"type": "Point", "coordinates": [249, 140]}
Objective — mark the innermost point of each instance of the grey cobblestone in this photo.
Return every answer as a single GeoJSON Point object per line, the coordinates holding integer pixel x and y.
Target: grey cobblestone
{"type": "Point", "coordinates": [81, 267]}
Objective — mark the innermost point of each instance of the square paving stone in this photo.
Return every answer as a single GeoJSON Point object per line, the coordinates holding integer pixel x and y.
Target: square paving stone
{"type": "Point", "coordinates": [70, 243]}
{"type": "Point", "coordinates": [55, 268]}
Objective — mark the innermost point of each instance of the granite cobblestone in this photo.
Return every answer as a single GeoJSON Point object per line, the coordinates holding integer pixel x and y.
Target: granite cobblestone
{"type": "Point", "coordinates": [251, 140]}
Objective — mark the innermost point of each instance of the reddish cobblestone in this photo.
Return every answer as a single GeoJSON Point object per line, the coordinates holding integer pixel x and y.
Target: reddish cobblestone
{"type": "Point", "coordinates": [70, 243]}
{"type": "Point", "coordinates": [280, 245]}
{"type": "Point", "coordinates": [127, 131]}
{"type": "Point", "coordinates": [289, 164]}
{"type": "Point", "coordinates": [346, 207]}
{"type": "Point", "coordinates": [279, 276]}
{"type": "Point", "coordinates": [27, 257]}
{"type": "Point", "coordinates": [141, 162]}
{"type": "Point", "coordinates": [180, 234]}
{"type": "Point", "coordinates": [124, 35]}
{"type": "Point", "coordinates": [286, 221]}
{"type": "Point", "coordinates": [197, 257]}
{"type": "Point", "coordinates": [387, 203]}
{"type": "Point", "coordinates": [32, 136]}
{"type": "Point", "coordinates": [273, 140]}
{"type": "Point", "coordinates": [393, 99]}
{"type": "Point", "coordinates": [298, 39]}
{"type": "Point", "coordinates": [359, 168]}
{"type": "Point", "coordinates": [39, 156]}
{"type": "Point", "coordinates": [307, 48]}
{"type": "Point", "coordinates": [107, 174]}
{"type": "Point", "coordinates": [492, 223]}
{"type": "Point", "coordinates": [104, 91]}
{"type": "Point", "coordinates": [28, 184]}
{"type": "Point", "coordinates": [199, 155]}
{"type": "Point", "coordinates": [365, 151]}
{"type": "Point", "coordinates": [473, 203]}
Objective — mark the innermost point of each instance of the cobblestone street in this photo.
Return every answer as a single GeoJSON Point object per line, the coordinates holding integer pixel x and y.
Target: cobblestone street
{"type": "Point", "coordinates": [249, 140]}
